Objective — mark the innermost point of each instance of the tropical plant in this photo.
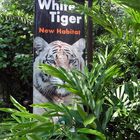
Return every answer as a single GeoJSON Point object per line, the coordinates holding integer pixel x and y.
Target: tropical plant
{"type": "Point", "coordinates": [109, 92]}
{"type": "Point", "coordinates": [104, 100]}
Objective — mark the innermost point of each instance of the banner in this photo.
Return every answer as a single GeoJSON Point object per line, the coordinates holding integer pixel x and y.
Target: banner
{"type": "Point", "coordinates": [59, 41]}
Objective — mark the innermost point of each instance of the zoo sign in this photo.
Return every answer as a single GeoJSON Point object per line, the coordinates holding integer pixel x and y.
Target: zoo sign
{"type": "Point", "coordinates": [55, 10]}
{"type": "Point", "coordinates": [58, 41]}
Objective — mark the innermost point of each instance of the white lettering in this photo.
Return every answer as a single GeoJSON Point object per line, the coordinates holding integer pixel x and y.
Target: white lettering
{"type": "Point", "coordinates": [65, 7]}
{"type": "Point", "coordinates": [52, 16]}
{"type": "Point", "coordinates": [71, 7]}
{"type": "Point", "coordinates": [78, 19]}
{"type": "Point", "coordinates": [47, 4]}
{"type": "Point", "coordinates": [44, 4]}
{"type": "Point", "coordinates": [55, 6]}
{"type": "Point", "coordinates": [64, 20]}
{"type": "Point", "coordinates": [55, 14]}
{"type": "Point", "coordinates": [58, 17]}
{"type": "Point", "coordinates": [72, 19]}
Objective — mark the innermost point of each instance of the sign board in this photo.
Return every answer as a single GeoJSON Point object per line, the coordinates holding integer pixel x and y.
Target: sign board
{"type": "Point", "coordinates": [58, 41]}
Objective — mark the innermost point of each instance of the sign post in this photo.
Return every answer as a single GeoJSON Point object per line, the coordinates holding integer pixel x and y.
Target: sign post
{"type": "Point", "coordinates": [90, 38]}
{"type": "Point", "coordinates": [58, 41]}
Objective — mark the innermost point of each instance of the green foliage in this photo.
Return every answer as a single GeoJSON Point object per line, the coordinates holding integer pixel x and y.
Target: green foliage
{"type": "Point", "coordinates": [105, 102]}
{"type": "Point", "coordinates": [120, 49]}
{"type": "Point", "coordinates": [12, 6]}
{"type": "Point", "coordinates": [109, 92]}
{"type": "Point", "coordinates": [133, 3]}
{"type": "Point", "coordinates": [16, 27]}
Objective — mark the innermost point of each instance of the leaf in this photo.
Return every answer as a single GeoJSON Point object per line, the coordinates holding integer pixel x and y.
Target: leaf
{"type": "Point", "coordinates": [122, 90]}
{"type": "Point", "coordinates": [107, 117]}
{"type": "Point", "coordinates": [69, 88]}
{"type": "Point", "coordinates": [29, 115]}
{"type": "Point", "coordinates": [67, 111]}
{"type": "Point", "coordinates": [49, 105]}
{"type": "Point", "coordinates": [16, 118]}
{"type": "Point", "coordinates": [24, 125]}
{"type": "Point", "coordinates": [133, 3]}
{"type": "Point", "coordinates": [98, 108]}
{"type": "Point", "coordinates": [91, 131]}
{"type": "Point", "coordinates": [53, 71]}
{"type": "Point", "coordinates": [111, 71]}
{"type": "Point", "coordinates": [80, 137]}
{"type": "Point", "coordinates": [82, 113]}
{"type": "Point", "coordinates": [9, 110]}
{"type": "Point", "coordinates": [17, 105]}
{"type": "Point", "coordinates": [33, 137]}
{"type": "Point", "coordinates": [90, 119]}
{"type": "Point", "coordinates": [39, 129]}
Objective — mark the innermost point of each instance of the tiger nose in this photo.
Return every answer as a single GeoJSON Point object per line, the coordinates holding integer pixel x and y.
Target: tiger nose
{"type": "Point", "coordinates": [62, 63]}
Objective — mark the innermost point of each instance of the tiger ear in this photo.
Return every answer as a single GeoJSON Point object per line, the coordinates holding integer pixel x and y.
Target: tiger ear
{"type": "Point", "coordinates": [80, 45]}
{"type": "Point", "coordinates": [39, 45]}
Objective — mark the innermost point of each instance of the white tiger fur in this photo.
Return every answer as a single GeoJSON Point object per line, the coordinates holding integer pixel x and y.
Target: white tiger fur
{"type": "Point", "coordinates": [58, 54]}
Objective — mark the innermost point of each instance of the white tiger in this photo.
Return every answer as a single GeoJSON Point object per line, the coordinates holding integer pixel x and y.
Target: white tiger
{"type": "Point", "coordinates": [58, 54]}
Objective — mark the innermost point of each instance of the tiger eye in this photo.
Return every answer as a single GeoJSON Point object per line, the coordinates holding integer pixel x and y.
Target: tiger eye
{"type": "Point", "coordinates": [71, 61]}
{"type": "Point", "coordinates": [51, 61]}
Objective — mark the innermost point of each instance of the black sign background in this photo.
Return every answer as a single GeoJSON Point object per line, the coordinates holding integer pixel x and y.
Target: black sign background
{"type": "Point", "coordinates": [42, 20]}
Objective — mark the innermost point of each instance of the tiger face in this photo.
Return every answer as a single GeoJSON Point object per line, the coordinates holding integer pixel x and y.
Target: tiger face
{"type": "Point", "coordinates": [57, 54]}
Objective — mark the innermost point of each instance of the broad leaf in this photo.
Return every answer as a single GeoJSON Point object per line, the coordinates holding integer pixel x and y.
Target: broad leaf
{"type": "Point", "coordinates": [90, 119]}
{"type": "Point", "coordinates": [108, 115]}
{"type": "Point", "coordinates": [93, 132]}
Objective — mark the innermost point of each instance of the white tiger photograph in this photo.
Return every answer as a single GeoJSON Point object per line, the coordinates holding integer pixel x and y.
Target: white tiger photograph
{"type": "Point", "coordinates": [57, 54]}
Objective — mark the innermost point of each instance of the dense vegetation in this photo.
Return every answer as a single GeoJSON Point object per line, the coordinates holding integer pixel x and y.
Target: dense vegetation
{"type": "Point", "coordinates": [109, 91]}
{"type": "Point", "coordinates": [16, 35]}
